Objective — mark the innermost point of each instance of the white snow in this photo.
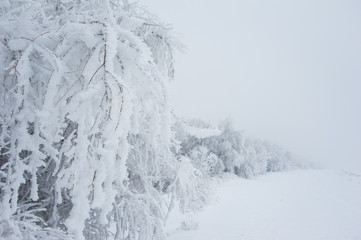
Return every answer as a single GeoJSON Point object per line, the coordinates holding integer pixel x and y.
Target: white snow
{"type": "Point", "coordinates": [201, 132]}
{"type": "Point", "coordinates": [302, 204]}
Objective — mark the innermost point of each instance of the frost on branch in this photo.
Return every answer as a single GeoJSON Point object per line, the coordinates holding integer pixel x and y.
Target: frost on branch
{"type": "Point", "coordinates": [85, 129]}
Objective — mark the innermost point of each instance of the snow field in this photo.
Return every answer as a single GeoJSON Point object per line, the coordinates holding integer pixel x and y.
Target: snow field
{"type": "Point", "coordinates": [302, 204]}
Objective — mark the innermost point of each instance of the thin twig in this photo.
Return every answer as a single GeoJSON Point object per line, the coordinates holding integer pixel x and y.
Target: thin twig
{"type": "Point", "coordinates": [92, 185]}
{"type": "Point", "coordinates": [103, 64]}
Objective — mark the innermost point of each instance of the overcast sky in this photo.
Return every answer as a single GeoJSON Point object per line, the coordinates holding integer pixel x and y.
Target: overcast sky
{"type": "Point", "coordinates": [286, 71]}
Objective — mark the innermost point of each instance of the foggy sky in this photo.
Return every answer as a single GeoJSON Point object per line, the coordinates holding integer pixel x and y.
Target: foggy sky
{"type": "Point", "coordinates": [285, 71]}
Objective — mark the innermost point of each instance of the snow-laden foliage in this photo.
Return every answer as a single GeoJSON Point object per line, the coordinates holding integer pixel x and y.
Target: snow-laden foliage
{"type": "Point", "coordinates": [207, 162]}
{"type": "Point", "coordinates": [85, 127]}
{"type": "Point", "coordinates": [213, 151]}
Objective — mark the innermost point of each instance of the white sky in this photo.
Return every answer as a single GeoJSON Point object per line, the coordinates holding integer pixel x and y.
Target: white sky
{"type": "Point", "coordinates": [286, 71]}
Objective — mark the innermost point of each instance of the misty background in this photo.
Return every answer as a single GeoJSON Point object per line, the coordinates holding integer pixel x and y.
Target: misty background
{"type": "Point", "coordinates": [285, 71]}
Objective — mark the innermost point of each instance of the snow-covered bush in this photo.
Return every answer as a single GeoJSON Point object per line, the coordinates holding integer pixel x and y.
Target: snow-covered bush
{"type": "Point", "coordinates": [85, 123]}
{"type": "Point", "coordinates": [188, 187]}
{"type": "Point", "coordinates": [229, 150]}
{"type": "Point", "coordinates": [206, 162]}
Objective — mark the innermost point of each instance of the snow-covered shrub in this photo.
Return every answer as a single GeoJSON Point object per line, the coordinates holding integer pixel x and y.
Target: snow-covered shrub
{"type": "Point", "coordinates": [206, 162]}
{"type": "Point", "coordinates": [237, 153]}
{"type": "Point", "coordinates": [85, 122]}
{"type": "Point", "coordinates": [188, 187]}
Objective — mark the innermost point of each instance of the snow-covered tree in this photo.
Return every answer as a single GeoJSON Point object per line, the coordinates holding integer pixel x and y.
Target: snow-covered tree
{"type": "Point", "coordinates": [85, 124]}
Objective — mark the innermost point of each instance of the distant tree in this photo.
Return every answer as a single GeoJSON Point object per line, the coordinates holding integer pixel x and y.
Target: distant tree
{"type": "Point", "coordinates": [237, 154]}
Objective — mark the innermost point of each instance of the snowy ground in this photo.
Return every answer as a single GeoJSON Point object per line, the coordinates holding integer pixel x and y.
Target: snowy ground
{"type": "Point", "coordinates": [303, 204]}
